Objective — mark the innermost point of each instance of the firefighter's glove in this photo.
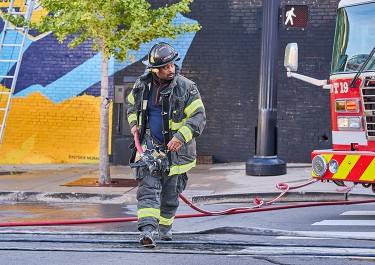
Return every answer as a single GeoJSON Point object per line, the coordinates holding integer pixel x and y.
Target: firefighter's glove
{"type": "Point", "coordinates": [174, 144]}
{"type": "Point", "coordinates": [134, 129]}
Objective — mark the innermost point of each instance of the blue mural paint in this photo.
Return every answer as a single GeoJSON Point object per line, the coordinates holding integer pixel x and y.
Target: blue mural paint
{"type": "Point", "coordinates": [11, 53]}
{"type": "Point", "coordinates": [89, 73]}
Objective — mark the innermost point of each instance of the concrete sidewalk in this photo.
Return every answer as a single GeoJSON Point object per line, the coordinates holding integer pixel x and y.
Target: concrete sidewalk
{"type": "Point", "coordinates": [216, 183]}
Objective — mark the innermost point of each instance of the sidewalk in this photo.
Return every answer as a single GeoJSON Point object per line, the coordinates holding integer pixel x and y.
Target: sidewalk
{"type": "Point", "coordinates": [216, 183]}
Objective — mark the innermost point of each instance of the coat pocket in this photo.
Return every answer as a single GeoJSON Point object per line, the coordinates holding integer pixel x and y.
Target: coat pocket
{"type": "Point", "coordinates": [181, 182]}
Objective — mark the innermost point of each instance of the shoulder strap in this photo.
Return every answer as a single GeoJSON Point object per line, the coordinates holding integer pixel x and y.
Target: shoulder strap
{"type": "Point", "coordinates": [165, 118]}
{"type": "Point", "coordinates": [144, 112]}
{"type": "Point", "coordinates": [142, 130]}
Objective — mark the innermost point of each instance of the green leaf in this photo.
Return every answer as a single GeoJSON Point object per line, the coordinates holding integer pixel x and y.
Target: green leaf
{"type": "Point", "coordinates": [115, 26]}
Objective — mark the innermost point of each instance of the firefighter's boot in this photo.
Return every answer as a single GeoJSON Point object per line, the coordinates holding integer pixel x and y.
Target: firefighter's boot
{"type": "Point", "coordinates": [165, 232]}
{"type": "Point", "coordinates": [147, 238]}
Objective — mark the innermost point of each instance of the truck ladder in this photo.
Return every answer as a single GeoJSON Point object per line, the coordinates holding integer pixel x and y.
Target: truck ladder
{"type": "Point", "coordinates": [16, 60]}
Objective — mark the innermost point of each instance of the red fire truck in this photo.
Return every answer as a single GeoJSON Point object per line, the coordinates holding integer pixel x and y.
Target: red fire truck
{"type": "Point", "coordinates": [352, 95]}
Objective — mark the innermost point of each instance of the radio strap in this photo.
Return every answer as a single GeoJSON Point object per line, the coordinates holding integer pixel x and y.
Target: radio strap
{"type": "Point", "coordinates": [165, 118]}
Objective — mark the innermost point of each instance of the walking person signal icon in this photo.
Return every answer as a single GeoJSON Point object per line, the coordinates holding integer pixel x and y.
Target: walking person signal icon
{"type": "Point", "coordinates": [295, 16]}
{"type": "Point", "coordinates": [289, 16]}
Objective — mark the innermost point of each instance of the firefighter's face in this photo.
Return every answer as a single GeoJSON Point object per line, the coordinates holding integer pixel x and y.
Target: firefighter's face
{"type": "Point", "coordinates": [166, 72]}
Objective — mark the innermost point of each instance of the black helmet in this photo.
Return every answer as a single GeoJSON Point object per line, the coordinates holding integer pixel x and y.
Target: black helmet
{"type": "Point", "coordinates": [161, 54]}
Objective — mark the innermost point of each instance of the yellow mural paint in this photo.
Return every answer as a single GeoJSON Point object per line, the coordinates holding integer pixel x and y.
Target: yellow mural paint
{"type": "Point", "coordinates": [36, 16]}
{"type": "Point", "coordinates": [3, 102]}
{"type": "Point", "coordinates": [20, 5]}
{"type": "Point", "coordinates": [39, 131]}
{"type": "Point", "coordinates": [38, 12]}
{"type": "Point", "coordinates": [17, 3]}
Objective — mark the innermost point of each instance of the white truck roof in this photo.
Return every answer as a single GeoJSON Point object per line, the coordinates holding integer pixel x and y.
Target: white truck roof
{"type": "Point", "coordinates": [344, 3]}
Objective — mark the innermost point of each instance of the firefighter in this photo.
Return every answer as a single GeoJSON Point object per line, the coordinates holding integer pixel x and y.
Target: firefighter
{"type": "Point", "coordinates": [166, 110]}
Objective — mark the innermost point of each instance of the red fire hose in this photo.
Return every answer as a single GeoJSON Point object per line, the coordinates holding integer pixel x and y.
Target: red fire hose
{"type": "Point", "coordinates": [205, 214]}
{"type": "Point", "coordinates": [202, 213]}
{"type": "Point", "coordinates": [137, 142]}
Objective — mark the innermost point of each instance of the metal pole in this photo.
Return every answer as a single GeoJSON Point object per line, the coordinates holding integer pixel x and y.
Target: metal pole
{"type": "Point", "coordinates": [265, 162]}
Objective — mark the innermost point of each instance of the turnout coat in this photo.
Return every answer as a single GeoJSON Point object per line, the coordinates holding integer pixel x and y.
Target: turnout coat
{"type": "Point", "coordinates": [186, 116]}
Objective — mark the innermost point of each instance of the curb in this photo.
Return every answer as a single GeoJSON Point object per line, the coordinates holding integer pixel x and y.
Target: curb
{"type": "Point", "coordinates": [73, 197]}
{"type": "Point", "coordinates": [288, 197]}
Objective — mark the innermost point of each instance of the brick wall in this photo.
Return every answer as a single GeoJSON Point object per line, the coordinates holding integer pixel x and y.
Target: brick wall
{"type": "Point", "coordinates": [224, 61]}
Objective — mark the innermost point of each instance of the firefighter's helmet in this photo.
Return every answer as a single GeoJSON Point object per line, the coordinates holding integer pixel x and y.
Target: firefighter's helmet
{"type": "Point", "coordinates": [161, 54]}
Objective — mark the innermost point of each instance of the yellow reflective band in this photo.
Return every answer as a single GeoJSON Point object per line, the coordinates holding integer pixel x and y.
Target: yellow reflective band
{"type": "Point", "coordinates": [166, 221]}
{"type": "Point", "coordinates": [148, 212]}
{"type": "Point", "coordinates": [131, 98]}
{"type": "Point", "coordinates": [131, 118]}
{"type": "Point", "coordinates": [369, 175]}
{"type": "Point", "coordinates": [186, 133]}
{"type": "Point", "coordinates": [175, 126]}
{"type": "Point", "coordinates": [182, 169]}
{"type": "Point", "coordinates": [140, 120]}
{"type": "Point", "coordinates": [193, 106]}
{"type": "Point", "coordinates": [346, 166]}
{"type": "Point", "coordinates": [327, 157]}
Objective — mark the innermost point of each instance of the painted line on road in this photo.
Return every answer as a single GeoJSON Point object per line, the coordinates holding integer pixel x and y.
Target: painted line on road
{"type": "Point", "coordinates": [347, 222]}
{"type": "Point", "coordinates": [365, 213]}
{"type": "Point", "coordinates": [329, 234]}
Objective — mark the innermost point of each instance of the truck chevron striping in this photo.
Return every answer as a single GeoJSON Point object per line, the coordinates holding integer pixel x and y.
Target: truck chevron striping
{"type": "Point", "coordinates": [352, 167]}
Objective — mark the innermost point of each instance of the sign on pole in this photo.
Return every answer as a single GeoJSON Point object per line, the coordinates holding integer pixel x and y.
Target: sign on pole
{"type": "Point", "coordinates": [296, 16]}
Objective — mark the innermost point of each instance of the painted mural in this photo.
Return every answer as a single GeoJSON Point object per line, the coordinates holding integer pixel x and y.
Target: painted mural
{"type": "Point", "coordinates": [54, 114]}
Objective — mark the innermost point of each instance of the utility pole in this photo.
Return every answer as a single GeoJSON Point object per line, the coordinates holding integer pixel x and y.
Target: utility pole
{"type": "Point", "coordinates": [265, 162]}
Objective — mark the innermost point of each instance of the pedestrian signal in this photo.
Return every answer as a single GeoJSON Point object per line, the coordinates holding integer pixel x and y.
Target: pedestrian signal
{"type": "Point", "coordinates": [296, 16]}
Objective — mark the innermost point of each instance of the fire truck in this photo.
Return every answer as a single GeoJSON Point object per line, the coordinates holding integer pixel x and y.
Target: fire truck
{"type": "Point", "coordinates": [352, 96]}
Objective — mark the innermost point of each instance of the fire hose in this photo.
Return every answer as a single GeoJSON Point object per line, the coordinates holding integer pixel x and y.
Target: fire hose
{"type": "Point", "coordinates": [152, 164]}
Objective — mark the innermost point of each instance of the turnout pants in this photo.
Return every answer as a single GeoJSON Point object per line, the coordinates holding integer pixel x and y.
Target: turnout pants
{"type": "Point", "coordinates": [157, 197]}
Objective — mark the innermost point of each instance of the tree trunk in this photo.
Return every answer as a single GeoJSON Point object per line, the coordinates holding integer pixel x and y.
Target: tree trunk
{"type": "Point", "coordinates": [104, 174]}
